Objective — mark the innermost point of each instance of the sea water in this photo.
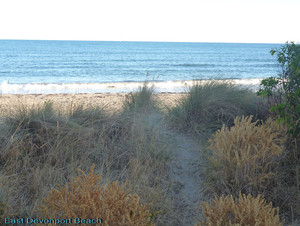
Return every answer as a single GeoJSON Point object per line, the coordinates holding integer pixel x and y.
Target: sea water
{"type": "Point", "coordinates": [31, 66]}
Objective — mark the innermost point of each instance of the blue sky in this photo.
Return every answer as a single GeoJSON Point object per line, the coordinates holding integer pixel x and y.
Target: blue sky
{"type": "Point", "coordinates": [257, 21]}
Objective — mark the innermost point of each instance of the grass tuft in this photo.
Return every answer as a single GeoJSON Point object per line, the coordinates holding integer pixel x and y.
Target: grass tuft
{"type": "Point", "coordinates": [141, 101]}
{"type": "Point", "coordinates": [210, 105]}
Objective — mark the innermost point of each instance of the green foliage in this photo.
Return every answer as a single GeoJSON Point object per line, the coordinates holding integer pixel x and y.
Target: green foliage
{"type": "Point", "coordinates": [270, 84]}
{"type": "Point", "coordinates": [283, 94]}
{"type": "Point", "coordinates": [287, 85]}
{"type": "Point", "coordinates": [210, 105]}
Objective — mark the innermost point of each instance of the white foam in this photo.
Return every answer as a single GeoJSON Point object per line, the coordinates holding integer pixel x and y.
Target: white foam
{"type": "Point", "coordinates": [120, 87]}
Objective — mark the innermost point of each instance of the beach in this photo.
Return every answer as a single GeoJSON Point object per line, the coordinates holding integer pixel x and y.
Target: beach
{"type": "Point", "coordinates": [166, 93]}
{"type": "Point", "coordinates": [156, 130]}
{"type": "Point", "coordinates": [109, 101]}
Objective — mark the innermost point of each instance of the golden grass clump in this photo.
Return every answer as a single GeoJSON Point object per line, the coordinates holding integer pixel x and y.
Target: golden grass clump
{"type": "Point", "coordinates": [246, 210]}
{"type": "Point", "coordinates": [87, 197]}
{"type": "Point", "coordinates": [245, 155]}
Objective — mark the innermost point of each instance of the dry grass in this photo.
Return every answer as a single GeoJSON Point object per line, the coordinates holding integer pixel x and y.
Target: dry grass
{"type": "Point", "coordinates": [246, 210]}
{"type": "Point", "coordinates": [245, 156]}
{"type": "Point", "coordinates": [41, 147]}
{"type": "Point", "coordinates": [87, 197]}
{"type": "Point", "coordinates": [286, 194]}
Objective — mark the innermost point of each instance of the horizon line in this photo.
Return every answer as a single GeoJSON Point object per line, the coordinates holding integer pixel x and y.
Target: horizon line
{"type": "Point", "coordinates": [91, 40]}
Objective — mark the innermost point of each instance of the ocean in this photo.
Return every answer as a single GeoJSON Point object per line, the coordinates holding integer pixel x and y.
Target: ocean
{"type": "Point", "coordinates": [31, 66]}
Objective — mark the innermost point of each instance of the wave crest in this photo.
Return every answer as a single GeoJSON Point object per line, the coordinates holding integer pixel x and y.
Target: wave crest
{"type": "Point", "coordinates": [118, 87]}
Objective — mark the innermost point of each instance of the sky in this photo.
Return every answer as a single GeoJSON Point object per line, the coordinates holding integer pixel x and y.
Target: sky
{"type": "Point", "coordinates": [243, 21]}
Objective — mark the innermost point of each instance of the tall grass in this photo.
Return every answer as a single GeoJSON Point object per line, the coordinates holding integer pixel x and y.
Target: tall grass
{"type": "Point", "coordinates": [210, 105]}
{"type": "Point", "coordinates": [141, 101]}
{"type": "Point", "coordinates": [41, 147]}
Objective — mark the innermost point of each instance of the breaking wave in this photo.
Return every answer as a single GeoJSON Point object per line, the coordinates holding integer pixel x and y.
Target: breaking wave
{"type": "Point", "coordinates": [118, 87]}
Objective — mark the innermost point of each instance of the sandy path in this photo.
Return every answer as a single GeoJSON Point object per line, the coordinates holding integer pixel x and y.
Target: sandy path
{"type": "Point", "coordinates": [186, 172]}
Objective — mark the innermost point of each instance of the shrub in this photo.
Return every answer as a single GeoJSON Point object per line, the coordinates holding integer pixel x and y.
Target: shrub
{"type": "Point", "coordinates": [210, 105]}
{"type": "Point", "coordinates": [286, 85]}
{"type": "Point", "coordinates": [283, 95]}
{"type": "Point", "coordinates": [245, 155]}
{"type": "Point", "coordinates": [88, 197]}
{"type": "Point", "coordinates": [246, 210]}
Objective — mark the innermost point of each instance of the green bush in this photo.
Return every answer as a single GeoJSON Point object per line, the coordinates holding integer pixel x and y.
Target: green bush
{"type": "Point", "coordinates": [283, 95]}
{"type": "Point", "coordinates": [287, 86]}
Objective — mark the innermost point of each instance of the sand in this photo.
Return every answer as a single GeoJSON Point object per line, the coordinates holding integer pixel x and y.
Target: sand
{"type": "Point", "coordinates": [109, 101]}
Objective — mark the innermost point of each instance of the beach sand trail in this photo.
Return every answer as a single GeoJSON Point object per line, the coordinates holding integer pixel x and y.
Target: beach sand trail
{"type": "Point", "coordinates": [186, 169]}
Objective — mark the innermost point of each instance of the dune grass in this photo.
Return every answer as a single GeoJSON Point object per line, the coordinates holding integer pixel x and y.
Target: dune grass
{"type": "Point", "coordinates": [210, 105]}
{"type": "Point", "coordinates": [240, 156]}
{"type": "Point", "coordinates": [42, 147]}
{"type": "Point", "coordinates": [141, 101]}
